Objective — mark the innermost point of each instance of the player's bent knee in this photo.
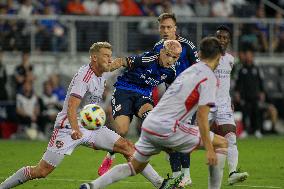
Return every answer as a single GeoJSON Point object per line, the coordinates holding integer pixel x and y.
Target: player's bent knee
{"type": "Point", "coordinates": [122, 131]}
{"type": "Point", "coordinates": [220, 142]}
{"type": "Point", "coordinates": [122, 125]}
{"type": "Point", "coordinates": [42, 169]}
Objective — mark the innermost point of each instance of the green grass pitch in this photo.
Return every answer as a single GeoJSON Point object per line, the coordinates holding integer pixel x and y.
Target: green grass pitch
{"type": "Point", "coordinates": [262, 159]}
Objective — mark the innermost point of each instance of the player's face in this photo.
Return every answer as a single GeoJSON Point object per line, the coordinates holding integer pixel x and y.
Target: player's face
{"type": "Point", "coordinates": [167, 29]}
{"type": "Point", "coordinates": [224, 38]}
{"type": "Point", "coordinates": [103, 59]}
{"type": "Point", "coordinates": [168, 58]}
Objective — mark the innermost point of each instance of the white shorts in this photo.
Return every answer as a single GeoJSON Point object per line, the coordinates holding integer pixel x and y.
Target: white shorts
{"type": "Point", "coordinates": [185, 140]}
{"type": "Point", "coordinates": [62, 143]}
{"type": "Point", "coordinates": [223, 117]}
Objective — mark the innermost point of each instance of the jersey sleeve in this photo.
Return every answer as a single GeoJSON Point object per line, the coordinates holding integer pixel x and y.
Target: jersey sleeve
{"type": "Point", "coordinates": [207, 92]}
{"type": "Point", "coordinates": [192, 53]}
{"type": "Point", "coordinates": [78, 87]}
{"type": "Point", "coordinates": [155, 48]}
{"type": "Point", "coordinates": [134, 61]}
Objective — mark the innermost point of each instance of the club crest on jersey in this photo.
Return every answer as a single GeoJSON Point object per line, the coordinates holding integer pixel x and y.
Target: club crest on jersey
{"type": "Point", "coordinates": [59, 144]}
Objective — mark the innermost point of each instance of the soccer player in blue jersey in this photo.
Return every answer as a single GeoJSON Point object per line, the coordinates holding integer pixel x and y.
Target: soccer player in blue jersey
{"type": "Point", "coordinates": [167, 27]}
{"type": "Point", "coordinates": [133, 90]}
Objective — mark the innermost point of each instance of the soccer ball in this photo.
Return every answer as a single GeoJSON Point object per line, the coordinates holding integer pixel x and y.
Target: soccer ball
{"type": "Point", "coordinates": [92, 116]}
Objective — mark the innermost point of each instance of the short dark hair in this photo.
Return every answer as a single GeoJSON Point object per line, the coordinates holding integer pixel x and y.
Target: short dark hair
{"type": "Point", "coordinates": [224, 28]}
{"type": "Point", "coordinates": [165, 16]}
{"type": "Point", "coordinates": [210, 47]}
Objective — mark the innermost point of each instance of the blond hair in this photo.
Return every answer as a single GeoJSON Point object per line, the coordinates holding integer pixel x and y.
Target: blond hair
{"type": "Point", "coordinates": [173, 46]}
{"type": "Point", "coordinates": [165, 16]}
{"type": "Point", "coordinates": [98, 45]}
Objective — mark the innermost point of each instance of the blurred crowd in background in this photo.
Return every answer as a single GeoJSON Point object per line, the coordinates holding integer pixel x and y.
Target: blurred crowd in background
{"type": "Point", "coordinates": [26, 112]}
{"type": "Point", "coordinates": [51, 34]}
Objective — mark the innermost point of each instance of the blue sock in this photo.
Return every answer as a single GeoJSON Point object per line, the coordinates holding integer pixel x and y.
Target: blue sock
{"type": "Point", "coordinates": [175, 161]}
{"type": "Point", "coordinates": [185, 160]}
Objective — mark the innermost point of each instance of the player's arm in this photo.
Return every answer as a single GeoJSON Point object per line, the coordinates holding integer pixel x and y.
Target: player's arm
{"type": "Point", "coordinates": [202, 121]}
{"type": "Point", "coordinates": [118, 63]}
{"type": "Point", "coordinates": [73, 105]}
{"type": "Point", "coordinates": [78, 90]}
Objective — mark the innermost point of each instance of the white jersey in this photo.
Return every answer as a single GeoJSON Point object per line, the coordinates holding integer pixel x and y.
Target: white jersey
{"type": "Point", "coordinates": [86, 86]}
{"type": "Point", "coordinates": [193, 87]}
{"type": "Point", "coordinates": [223, 75]}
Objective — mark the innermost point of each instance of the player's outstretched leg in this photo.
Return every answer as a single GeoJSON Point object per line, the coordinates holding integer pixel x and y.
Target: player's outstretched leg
{"type": "Point", "coordinates": [123, 171]}
{"type": "Point", "coordinates": [27, 173]}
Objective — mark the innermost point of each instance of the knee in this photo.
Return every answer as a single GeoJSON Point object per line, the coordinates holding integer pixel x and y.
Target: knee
{"type": "Point", "coordinates": [41, 172]}
{"type": "Point", "coordinates": [122, 130]}
{"type": "Point", "coordinates": [224, 143]}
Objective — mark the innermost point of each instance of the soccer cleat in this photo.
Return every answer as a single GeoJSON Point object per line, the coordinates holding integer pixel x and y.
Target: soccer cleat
{"type": "Point", "coordinates": [236, 177]}
{"type": "Point", "coordinates": [186, 181]}
{"type": "Point", "coordinates": [171, 183]}
{"type": "Point", "coordinates": [85, 186]}
{"type": "Point", "coordinates": [105, 166]}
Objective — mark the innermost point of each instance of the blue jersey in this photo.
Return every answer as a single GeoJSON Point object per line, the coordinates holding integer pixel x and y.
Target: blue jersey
{"type": "Point", "coordinates": [144, 73]}
{"type": "Point", "coordinates": [188, 56]}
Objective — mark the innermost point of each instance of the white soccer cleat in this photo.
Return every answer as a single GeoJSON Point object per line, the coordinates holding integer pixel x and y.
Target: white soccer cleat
{"type": "Point", "coordinates": [186, 181]}
{"type": "Point", "coordinates": [236, 177]}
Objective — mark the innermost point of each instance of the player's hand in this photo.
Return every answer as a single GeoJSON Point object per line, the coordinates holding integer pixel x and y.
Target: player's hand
{"type": "Point", "coordinates": [76, 134]}
{"type": "Point", "coordinates": [211, 157]}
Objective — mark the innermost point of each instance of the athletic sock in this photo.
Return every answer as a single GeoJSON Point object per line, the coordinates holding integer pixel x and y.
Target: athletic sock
{"type": "Point", "coordinates": [18, 178]}
{"type": "Point", "coordinates": [216, 172]}
{"type": "Point", "coordinates": [150, 174]}
{"type": "Point", "coordinates": [115, 174]}
{"type": "Point", "coordinates": [233, 153]}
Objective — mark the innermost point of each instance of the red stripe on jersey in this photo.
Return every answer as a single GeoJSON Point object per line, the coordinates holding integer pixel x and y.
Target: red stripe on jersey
{"type": "Point", "coordinates": [62, 122]}
{"type": "Point", "coordinates": [88, 72]}
{"type": "Point", "coordinates": [76, 95]}
{"type": "Point", "coordinates": [140, 152]}
{"type": "Point", "coordinates": [53, 137]}
{"type": "Point", "coordinates": [192, 98]}
{"type": "Point", "coordinates": [153, 133]}
{"type": "Point", "coordinates": [89, 76]}
{"type": "Point", "coordinates": [188, 130]}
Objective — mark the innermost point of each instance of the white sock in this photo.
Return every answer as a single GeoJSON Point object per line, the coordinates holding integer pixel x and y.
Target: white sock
{"type": "Point", "coordinates": [18, 178]}
{"type": "Point", "coordinates": [150, 174]}
{"type": "Point", "coordinates": [186, 172]}
{"type": "Point", "coordinates": [175, 174]}
{"type": "Point", "coordinates": [216, 172]}
{"type": "Point", "coordinates": [233, 153]}
{"type": "Point", "coordinates": [117, 173]}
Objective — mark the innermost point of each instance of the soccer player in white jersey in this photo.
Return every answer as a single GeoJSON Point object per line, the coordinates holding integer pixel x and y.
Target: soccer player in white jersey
{"type": "Point", "coordinates": [87, 86]}
{"type": "Point", "coordinates": [166, 127]}
{"type": "Point", "coordinates": [222, 114]}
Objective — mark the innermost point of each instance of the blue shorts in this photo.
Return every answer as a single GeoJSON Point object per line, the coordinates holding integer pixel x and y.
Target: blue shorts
{"type": "Point", "coordinates": [124, 102]}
